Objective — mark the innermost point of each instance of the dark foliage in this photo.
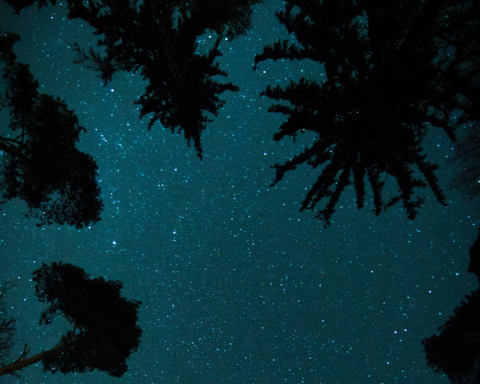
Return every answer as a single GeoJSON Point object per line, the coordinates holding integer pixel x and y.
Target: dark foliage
{"type": "Point", "coordinates": [42, 166]}
{"type": "Point", "coordinates": [105, 330]}
{"type": "Point", "coordinates": [467, 155]}
{"type": "Point", "coordinates": [7, 325]}
{"type": "Point", "coordinates": [474, 265]}
{"type": "Point", "coordinates": [467, 150]}
{"type": "Point", "coordinates": [456, 350]}
{"type": "Point", "coordinates": [158, 39]}
{"type": "Point", "coordinates": [394, 69]}
{"type": "Point", "coordinates": [18, 5]}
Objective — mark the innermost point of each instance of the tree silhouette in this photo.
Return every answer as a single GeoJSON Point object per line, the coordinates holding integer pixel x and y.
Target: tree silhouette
{"type": "Point", "coordinates": [104, 324]}
{"type": "Point", "coordinates": [474, 265]}
{"type": "Point", "coordinates": [394, 69]}
{"type": "Point", "coordinates": [7, 324]}
{"type": "Point", "coordinates": [18, 5]}
{"type": "Point", "coordinates": [456, 350]}
{"type": "Point", "coordinates": [159, 39]}
{"type": "Point", "coordinates": [467, 155]}
{"type": "Point", "coordinates": [467, 150]}
{"type": "Point", "coordinates": [42, 166]}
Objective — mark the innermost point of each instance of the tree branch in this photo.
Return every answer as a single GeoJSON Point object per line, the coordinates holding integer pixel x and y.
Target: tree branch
{"type": "Point", "coordinates": [23, 362]}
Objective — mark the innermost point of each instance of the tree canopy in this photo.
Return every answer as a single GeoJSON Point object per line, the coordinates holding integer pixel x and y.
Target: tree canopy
{"type": "Point", "coordinates": [18, 5]}
{"type": "Point", "coordinates": [159, 39]}
{"type": "Point", "coordinates": [393, 70]}
{"type": "Point", "coordinates": [104, 324]}
{"type": "Point", "coordinates": [455, 351]}
{"type": "Point", "coordinates": [7, 324]}
{"type": "Point", "coordinates": [41, 164]}
{"type": "Point", "coordinates": [467, 155]}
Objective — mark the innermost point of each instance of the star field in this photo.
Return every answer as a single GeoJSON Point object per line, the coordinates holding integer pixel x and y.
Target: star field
{"type": "Point", "coordinates": [237, 285]}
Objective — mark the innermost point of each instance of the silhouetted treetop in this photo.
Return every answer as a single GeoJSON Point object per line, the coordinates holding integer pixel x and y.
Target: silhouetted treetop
{"type": "Point", "coordinates": [467, 150]}
{"type": "Point", "coordinates": [393, 70]}
{"type": "Point", "coordinates": [18, 5]}
{"type": "Point", "coordinates": [106, 321]}
{"type": "Point", "coordinates": [467, 155]}
{"type": "Point", "coordinates": [159, 39]}
{"type": "Point", "coordinates": [104, 324]}
{"type": "Point", "coordinates": [42, 165]}
{"type": "Point", "coordinates": [7, 324]}
{"type": "Point", "coordinates": [474, 253]}
{"type": "Point", "coordinates": [455, 351]}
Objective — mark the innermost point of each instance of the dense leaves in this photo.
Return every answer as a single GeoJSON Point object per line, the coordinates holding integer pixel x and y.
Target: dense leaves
{"type": "Point", "coordinates": [474, 265]}
{"type": "Point", "coordinates": [105, 330]}
{"type": "Point", "coordinates": [7, 324]}
{"type": "Point", "coordinates": [159, 39]}
{"type": "Point", "coordinates": [394, 70]}
{"type": "Point", "coordinates": [455, 351]}
{"type": "Point", "coordinates": [42, 165]}
{"type": "Point", "coordinates": [467, 155]}
{"type": "Point", "coordinates": [464, 28]}
{"type": "Point", "coordinates": [18, 5]}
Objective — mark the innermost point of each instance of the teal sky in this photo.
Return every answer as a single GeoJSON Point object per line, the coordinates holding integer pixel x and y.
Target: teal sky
{"type": "Point", "coordinates": [237, 285]}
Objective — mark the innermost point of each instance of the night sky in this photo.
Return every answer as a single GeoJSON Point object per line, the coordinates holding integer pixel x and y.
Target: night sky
{"type": "Point", "coordinates": [237, 285]}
